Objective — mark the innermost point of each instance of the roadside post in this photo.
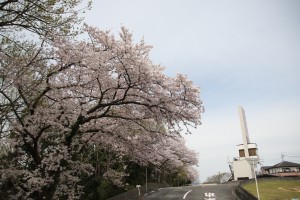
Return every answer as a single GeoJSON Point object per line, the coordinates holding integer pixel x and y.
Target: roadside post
{"type": "Point", "coordinates": [138, 187]}
{"type": "Point", "coordinates": [255, 179]}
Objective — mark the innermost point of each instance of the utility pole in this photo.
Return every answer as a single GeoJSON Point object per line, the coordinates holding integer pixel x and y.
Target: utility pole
{"type": "Point", "coordinates": [146, 180]}
{"type": "Point", "coordinates": [255, 180]}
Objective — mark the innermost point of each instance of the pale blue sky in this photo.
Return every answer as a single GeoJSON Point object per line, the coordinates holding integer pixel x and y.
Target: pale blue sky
{"type": "Point", "coordinates": [239, 53]}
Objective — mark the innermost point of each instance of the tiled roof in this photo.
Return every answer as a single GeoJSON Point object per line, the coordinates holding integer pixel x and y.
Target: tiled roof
{"type": "Point", "coordinates": [286, 164]}
{"type": "Point", "coordinates": [266, 167]}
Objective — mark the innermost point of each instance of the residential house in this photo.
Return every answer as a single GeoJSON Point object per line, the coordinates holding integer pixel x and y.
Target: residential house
{"type": "Point", "coordinates": [283, 168]}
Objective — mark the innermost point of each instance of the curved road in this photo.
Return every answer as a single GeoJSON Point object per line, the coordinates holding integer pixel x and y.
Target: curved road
{"type": "Point", "coordinates": [201, 192]}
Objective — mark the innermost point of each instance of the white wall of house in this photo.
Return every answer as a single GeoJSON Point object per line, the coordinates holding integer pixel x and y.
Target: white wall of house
{"type": "Point", "coordinates": [283, 169]}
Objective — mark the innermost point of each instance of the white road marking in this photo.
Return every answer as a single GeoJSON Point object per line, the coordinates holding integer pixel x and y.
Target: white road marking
{"type": "Point", "coordinates": [186, 194]}
{"type": "Point", "coordinates": [210, 195]}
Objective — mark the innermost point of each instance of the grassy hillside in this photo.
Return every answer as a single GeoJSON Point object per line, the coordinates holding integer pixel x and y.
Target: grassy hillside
{"type": "Point", "coordinates": [276, 189]}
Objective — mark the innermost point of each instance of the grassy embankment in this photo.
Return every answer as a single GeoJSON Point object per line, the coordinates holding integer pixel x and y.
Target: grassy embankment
{"type": "Point", "coordinates": [276, 190]}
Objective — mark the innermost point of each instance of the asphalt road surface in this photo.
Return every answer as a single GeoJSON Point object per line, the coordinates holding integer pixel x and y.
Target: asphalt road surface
{"type": "Point", "coordinates": [201, 192]}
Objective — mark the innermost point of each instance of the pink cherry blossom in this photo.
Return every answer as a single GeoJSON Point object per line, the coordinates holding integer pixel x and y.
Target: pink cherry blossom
{"type": "Point", "coordinates": [68, 95]}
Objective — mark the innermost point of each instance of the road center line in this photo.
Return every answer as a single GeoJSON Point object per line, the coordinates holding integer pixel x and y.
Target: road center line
{"type": "Point", "coordinates": [186, 194]}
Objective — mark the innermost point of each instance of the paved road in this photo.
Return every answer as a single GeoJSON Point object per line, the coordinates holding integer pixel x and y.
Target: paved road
{"type": "Point", "coordinates": [202, 192]}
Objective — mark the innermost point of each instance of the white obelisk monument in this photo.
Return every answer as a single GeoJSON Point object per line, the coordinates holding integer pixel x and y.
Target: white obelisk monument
{"type": "Point", "coordinates": [244, 128]}
{"type": "Point", "coordinates": [244, 165]}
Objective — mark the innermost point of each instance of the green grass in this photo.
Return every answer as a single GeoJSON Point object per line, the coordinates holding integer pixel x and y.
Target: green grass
{"type": "Point", "coordinates": [275, 190]}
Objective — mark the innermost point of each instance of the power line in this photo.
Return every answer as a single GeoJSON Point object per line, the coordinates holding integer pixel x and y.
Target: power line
{"type": "Point", "coordinates": [289, 155]}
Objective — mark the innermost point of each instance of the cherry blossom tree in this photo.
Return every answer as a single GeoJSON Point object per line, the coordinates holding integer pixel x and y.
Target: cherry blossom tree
{"type": "Point", "coordinates": [39, 16]}
{"type": "Point", "coordinates": [66, 96]}
{"type": "Point", "coordinates": [162, 155]}
{"type": "Point", "coordinates": [24, 25]}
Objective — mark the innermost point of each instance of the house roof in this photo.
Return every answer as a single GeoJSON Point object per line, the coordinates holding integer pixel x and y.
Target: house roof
{"type": "Point", "coordinates": [266, 167]}
{"type": "Point", "coordinates": [285, 164]}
